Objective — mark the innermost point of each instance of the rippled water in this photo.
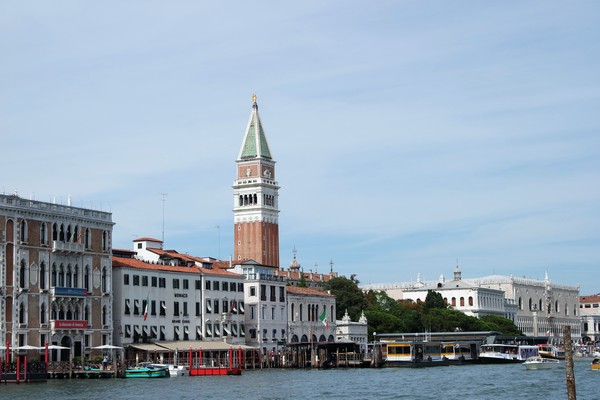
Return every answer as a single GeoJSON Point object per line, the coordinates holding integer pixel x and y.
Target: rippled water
{"type": "Point", "coordinates": [509, 381]}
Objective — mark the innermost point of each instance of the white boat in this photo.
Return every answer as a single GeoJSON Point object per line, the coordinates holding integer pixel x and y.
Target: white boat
{"type": "Point", "coordinates": [506, 353]}
{"type": "Point", "coordinates": [174, 370]}
{"type": "Point", "coordinates": [541, 363]}
{"type": "Point", "coordinates": [551, 351]}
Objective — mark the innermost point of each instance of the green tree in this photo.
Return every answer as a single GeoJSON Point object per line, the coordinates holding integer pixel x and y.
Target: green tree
{"type": "Point", "coordinates": [500, 324]}
{"type": "Point", "coordinates": [434, 300]}
{"type": "Point", "coordinates": [348, 297]}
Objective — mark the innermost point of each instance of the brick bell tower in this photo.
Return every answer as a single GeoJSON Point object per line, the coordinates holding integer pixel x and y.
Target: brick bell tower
{"type": "Point", "coordinates": [255, 198]}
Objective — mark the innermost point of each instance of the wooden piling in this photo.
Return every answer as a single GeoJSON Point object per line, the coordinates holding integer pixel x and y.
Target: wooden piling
{"type": "Point", "coordinates": [571, 392]}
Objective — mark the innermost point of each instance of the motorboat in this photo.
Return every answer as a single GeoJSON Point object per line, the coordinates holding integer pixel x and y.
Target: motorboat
{"type": "Point", "coordinates": [551, 351]}
{"type": "Point", "coordinates": [174, 370]}
{"type": "Point", "coordinates": [539, 362]}
{"type": "Point", "coordinates": [596, 364]}
{"type": "Point", "coordinates": [506, 353]}
{"type": "Point", "coordinates": [147, 370]}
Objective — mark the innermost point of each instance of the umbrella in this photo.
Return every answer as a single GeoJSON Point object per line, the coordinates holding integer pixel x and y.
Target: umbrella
{"type": "Point", "coordinates": [56, 347]}
{"type": "Point", "coordinates": [107, 347]}
{"type": "Point", "coordinates": [28, 347]}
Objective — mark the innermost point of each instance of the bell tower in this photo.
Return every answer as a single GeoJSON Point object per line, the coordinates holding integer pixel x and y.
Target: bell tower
{"type": "Point", "coordinates": [255, 198]}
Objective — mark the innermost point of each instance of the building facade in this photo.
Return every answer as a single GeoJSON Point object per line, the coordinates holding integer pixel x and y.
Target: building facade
{"type": "Point", "coordinates": [55, 276]}
{"type": "Point", "coordinates": [311, 315]}
{"type": "Point", "coordinates": [355, 332]}
{"type": "Point", "coordinates": [589, 310]}
{"type": "Point", "coordinates": [161, 295]}
{"type": "Point", "coordinates": [537, 307]}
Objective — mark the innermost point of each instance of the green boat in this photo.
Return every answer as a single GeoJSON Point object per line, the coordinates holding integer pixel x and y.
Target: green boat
{"type": "Point", "coordinates": [145, 370]}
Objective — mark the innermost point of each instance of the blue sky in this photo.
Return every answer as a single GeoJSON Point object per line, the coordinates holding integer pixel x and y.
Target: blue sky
{"type": "Point", "coordinates": [408, 135]}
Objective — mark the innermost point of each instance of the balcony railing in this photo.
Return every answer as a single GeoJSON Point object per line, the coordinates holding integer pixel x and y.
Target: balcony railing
{"type": "Point", "coordinates": [67, 247]}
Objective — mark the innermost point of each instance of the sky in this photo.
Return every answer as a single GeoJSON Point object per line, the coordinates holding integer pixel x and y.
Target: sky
{"type": "Point", "coordinates": [410, 136]}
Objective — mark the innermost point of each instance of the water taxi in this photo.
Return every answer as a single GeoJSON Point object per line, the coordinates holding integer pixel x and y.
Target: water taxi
{"type": "Point", "coordinates": [147, 370]}
{"type": "Point", "coordinates": [551, 351]}
{"type": "Point", "coordinates": [596, 364]}
{"type": "Point", "coordinates": [427, 354]}
{"type": "Point", "coordinates": [539, 362]}
{"type": "Point", "coordinates": [506, 353]}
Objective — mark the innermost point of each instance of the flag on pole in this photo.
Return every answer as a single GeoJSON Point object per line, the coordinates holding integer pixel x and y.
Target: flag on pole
{"type": "Point", "coordinates": [146, 308]}
{"type": "Point", "coordinates": [323, 318]}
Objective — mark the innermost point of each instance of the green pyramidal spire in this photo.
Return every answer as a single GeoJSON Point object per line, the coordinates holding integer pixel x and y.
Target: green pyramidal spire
{"type": "Point", "coordinates": [255, 142]}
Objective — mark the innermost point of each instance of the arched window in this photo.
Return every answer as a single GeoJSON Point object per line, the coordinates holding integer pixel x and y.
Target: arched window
{"type": "Point", "coordinates": [54, 231]}
{"type": "Point", "coordinates": [88, 239]}
{"type": "Point", "coordinates": [22, 275]}
{"type": "Point", "coordinates": [520, 303]}
{"type": "Point", "coordinates": [293, 316]}
{"type": "Point", "coordinates": [104, 314]}
{"type": "Point", "coordinates": [104, 280]}
{"type": "Point", "coordinates": [86, 278]}
{"type": "Point", "coordinates": [454, 302]}
{"type": "Point", "coordinates": [540, 306]}
{"type": "Point", "coordinates": [53, 281]}
{"type": "Point", "coordinates": [22, 313]}
{"type": "Point", "coordinates": [104, 240]}
{"type": "Point", "coordinates": [462, 301]}
{"type": "Point", "coordinates": [301, 316]}
{"type": "Point", "coordinates": [61, 234]}
{"type": "Point", "coordinates": [86, 313]}
{"type": "Point", "coordinates": [42, 313]}
{"type": "Point", "coordinates": [76, 276]}
{"type": "Point", "coordinates": [69, 281]}
{"type": "Point", "coordinates": [54, 312]}
{"type": "Point", "coordinates": [43, 233]}
{"type": "Point", "coordinates": [556, 306]}
{"type": "Point", "coordinates": [530, 304]}
{"type": "Point", "coordinates": [331, 314]}
{"type": "Point", "coordinates": [69, 237]}
{"type": "Point", "coordinates": [24, 234]}
{"type": "Point", "coordinates": [471, 301]}
{"type": "Point", "coordinates": [43, 275]}
{"type": "Point", "coordinates": [61, 276]}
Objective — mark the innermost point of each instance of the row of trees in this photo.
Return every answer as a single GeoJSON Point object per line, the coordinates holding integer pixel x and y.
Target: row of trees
{"type": "Point", "coordinates": [386, 315]}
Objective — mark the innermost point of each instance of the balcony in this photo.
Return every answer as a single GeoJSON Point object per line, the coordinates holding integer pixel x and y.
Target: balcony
{"type": "Point", "coordinates": [66, 247]}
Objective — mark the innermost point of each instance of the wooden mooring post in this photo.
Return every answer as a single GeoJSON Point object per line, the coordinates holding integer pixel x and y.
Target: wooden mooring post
{"type": "Point", "coordinates": [571, 392]}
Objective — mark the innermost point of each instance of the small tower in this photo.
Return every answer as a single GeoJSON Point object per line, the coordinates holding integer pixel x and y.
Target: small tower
{"type": "Point", "coordinates": [255, 198]}
{"type": "Point", "coordinates": [457, 273]}
{"type": "Point", "coordinates": [294, 265]}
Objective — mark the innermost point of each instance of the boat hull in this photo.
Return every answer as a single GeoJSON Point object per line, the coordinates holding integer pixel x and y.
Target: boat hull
{"type": "Point", "coordinates": [147, 373]}
{"type": "Point", "coordinates": [210, 371]}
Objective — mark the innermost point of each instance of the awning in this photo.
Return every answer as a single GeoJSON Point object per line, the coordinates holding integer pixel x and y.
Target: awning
{"type": "Point", "coordinates": [216, 345]}
{"type": "Point", "coordinates": [148, 347]}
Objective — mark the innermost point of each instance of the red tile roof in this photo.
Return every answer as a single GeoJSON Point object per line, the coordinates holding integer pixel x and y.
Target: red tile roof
{"type": "Point", "coordinates": [120, 262]}
{"type": "Point", "coordinates": [590, 299]}
{"type": "Point", "coordinates": [304, 291]}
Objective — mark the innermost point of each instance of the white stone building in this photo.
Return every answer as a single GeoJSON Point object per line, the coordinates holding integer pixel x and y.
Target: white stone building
{"type": "Point", "coordinates": [589, 310]}
{"type": "Point", "coordinates": [187, 298]}
{"type": "Point", "coordinates": [538, 307]}
{"type": "Point", "coordinates": [311, 315]}
{"type": "Point", "coordinates": [355, 332]}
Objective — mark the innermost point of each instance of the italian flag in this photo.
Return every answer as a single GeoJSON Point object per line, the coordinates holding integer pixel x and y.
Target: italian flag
{"type": "Point", "coordinates": [323, 318]}
{"type": "Point", "coordinates": [146, 308]}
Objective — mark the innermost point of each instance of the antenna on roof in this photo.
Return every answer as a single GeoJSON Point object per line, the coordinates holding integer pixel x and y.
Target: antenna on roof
{"type": "Point", "coordinates": [163, 216]}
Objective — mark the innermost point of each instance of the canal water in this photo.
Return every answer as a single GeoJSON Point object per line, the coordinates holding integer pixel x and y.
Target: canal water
{"type": "Point", "coordinates": [510, 381]}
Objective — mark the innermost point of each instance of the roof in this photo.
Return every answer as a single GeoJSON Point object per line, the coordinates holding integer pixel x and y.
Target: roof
{"type": "Point", "coordinates": [304, 291]}
{"type": "Point", "coordinates": [590, 299]}
{"type": "Point", "coordinates": [147, 239]}
{"type": "Point", "coordinates": [121, 262]}
{"type": "Point", "coordinates": [294, 275]}
{"type": "Point", "coordinates": [184, 345]}
{"type": "Point", "coordinates": [255, 142]}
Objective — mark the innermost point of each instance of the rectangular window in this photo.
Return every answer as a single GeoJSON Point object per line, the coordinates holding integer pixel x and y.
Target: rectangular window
{"type": "Point", "coordinates": [263, 292]}
{"type": "Point", "coordinates": [232, 286]}
{"type": "Point", "coordinates": [152, 307]}
{"type": "Point", "coordinates": [240, 287]}
{"type": "Point", "coordinates": [198, 309]}
{"type": "Point", "coordinates": [144, 280]}
{"type": "Point", "coordinates": [216, 285]}
{"type": "Point", "coordinates": [136, 280]}
{"type": "Point", "coordinates": [225, 287]}
{"type": "Point", "coordinates": [162, 282]}
{"type": "Point", "coordinates": [252, 291]}
{"type": "Point", "coordinates": [282, 294]}
{"type": "Point", "coordinates": [154, 281]}
{"type": "Point", "coordinates": [216, 306]}
{"type": "Point", "coordinates": [186, 284]}
{"type": "Point", "coordinates": [207, 284]}
{"type": "Point", "coordinates": [225, 306]}
{"type": "Point", "coordinates": [252, 312]}
{"type": "Point", "coordinates": [127, 307]}
{"type": "Point", "coordinates": [175, 283]}
{"type": "Point", "coordinates": [163, 308]}
{"type": "Point", "coordinates": [126, 279]}
{"type": "Point", "coordinates": [198, 284]}
{"type": "Point", "coordinates": [185, 310]}
{"type": "Point", "coordinates": [272, 293]}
